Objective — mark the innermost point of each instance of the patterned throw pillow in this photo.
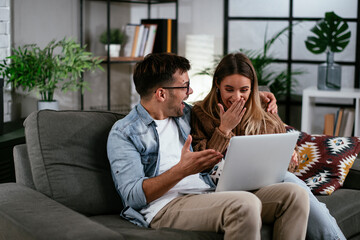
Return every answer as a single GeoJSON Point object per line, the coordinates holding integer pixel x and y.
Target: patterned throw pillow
{"type": "Point", "coordinates": [325, 160]}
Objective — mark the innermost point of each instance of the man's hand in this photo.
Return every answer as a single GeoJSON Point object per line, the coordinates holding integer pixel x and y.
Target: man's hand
{"type": "Point", "coordinates": [232, 117]}
{"type": "Point", "coordinates": [269, 99]}
{"type": "Point", "coordinates": [195, 162]}
{"type": "Point", "coordinates": [190, 163]}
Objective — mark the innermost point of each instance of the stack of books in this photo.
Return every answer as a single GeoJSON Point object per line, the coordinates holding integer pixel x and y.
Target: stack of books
{"type": "Point", "coordinates": [152, 35]}
{"type": "Point", "coordinates": [340, 123]}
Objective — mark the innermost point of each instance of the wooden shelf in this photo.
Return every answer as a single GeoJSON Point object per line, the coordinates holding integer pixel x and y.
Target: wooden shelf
{"type": "Point", "coordinates": [121, 59]}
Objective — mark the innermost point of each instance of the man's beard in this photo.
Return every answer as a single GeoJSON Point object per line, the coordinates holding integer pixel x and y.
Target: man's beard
{"type": "Point", "coordinates": [175, 110]}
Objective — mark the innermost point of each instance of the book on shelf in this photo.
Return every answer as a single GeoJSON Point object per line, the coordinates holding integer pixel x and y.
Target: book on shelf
{"type": "Point", "coordinates": [138, 40]}
{"type": "Point", "coordinates": [130, 30]}
{"type": "Point", "coordinates": [329, 121]}
{"type": "Point", "coordinates": [338, 120]}
{"type": "Point", "coordinates": [143, 41]}
{"type": "Point", "coordinates": [135, 40]}
{"type": "Point", "coordinates": [347, 126]}
{"type": "Point", "coordinates": [149, 46]}
{"type": "Point", "coordinates": [341, 123]}
{"type": "Point", "coordinates": [152, 35]}
{"type": "Point", "coordinates": [166, 34]}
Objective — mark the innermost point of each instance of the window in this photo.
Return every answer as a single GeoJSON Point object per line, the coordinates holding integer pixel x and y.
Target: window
{"type": "Point", "coordinates": [247, 22]}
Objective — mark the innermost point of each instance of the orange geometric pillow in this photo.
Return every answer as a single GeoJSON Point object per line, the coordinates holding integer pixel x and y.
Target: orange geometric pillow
{"type": "Point", "coordinates": [325, 160]}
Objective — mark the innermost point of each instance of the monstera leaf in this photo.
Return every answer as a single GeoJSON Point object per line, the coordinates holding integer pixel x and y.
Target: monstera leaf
{"type": "Point", "coordinates": [331, 34]}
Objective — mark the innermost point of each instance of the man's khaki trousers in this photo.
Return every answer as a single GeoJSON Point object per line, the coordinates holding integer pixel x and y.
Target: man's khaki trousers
{"type": "Point", "coordinates": [239, 214]}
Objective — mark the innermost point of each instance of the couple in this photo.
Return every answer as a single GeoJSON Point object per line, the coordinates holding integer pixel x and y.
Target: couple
{"type": "Point", "coordinates": [152, 160]}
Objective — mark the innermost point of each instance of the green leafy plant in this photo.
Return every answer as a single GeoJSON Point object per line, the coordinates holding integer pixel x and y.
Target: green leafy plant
{"type": "Point", "coordinates": [331, 34]}
{"type": "Point", "coordinates": [57, 66]}
{"type": "Point", "coordinates": [116, 37]}
{"type": "Point", "coordinates": [276, 81]}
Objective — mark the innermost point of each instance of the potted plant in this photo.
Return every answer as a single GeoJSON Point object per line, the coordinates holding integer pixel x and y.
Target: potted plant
{"type": "Point", "coordinates": [57, 66]}
{"type": "Point", "coordinates": [331, 35]}
{"type": "Point", "coordinates": [117, 37]}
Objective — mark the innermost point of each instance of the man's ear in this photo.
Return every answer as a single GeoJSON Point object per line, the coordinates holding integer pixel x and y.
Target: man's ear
{"type": "Point", "coordinates": [160, 94]}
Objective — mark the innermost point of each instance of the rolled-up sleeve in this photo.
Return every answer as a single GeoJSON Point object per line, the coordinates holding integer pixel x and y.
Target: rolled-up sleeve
{"type": "Point", "coordinates": [126, 168]}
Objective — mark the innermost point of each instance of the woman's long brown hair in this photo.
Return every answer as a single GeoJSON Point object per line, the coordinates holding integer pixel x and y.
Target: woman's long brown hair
{"type": "Point", "coordinates": [255, 118]}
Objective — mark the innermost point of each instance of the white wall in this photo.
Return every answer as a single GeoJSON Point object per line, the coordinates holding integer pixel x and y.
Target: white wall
{"type": "Point", "coordinates": [40, 21]}
{"type": "Point", "coordinates": [5, 41]}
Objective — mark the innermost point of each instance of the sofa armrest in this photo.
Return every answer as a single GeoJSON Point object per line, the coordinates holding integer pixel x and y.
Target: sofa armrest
{"type": "Point", "coordinates": [28, 214]}
{"type": "Point", "coordinates": [352, 181]}
{"type": "Point", "coordinates": [22, 166]}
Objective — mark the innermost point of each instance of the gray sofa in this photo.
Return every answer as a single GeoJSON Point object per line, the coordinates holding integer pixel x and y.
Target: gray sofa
{"type": "Point", "coordinates": [64, 188]}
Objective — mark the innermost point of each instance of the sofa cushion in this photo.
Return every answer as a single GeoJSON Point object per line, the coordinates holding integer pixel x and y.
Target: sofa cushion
{"type": "Point", "coordinates": [132, 231]}
{"type": "Point", "coordinates": [68, 159]}
{"type": "Point", "coordinates": [325, 160]}
{"type": "Point", "coordinates": [352, 180]}
{"type": "Point", "coordinates": [344, 206]}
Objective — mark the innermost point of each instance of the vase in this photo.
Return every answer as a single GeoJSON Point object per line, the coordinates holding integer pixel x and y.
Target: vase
{"type": "Point", "coordinates": [52, 105]}
{"type": "Point", "coordinates": [114, 50]}
{"type": "Point", "coordinates": [329, 74]}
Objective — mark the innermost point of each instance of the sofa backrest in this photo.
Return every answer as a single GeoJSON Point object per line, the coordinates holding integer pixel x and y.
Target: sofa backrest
{"type": "Point", "coordinates": [68, 159]}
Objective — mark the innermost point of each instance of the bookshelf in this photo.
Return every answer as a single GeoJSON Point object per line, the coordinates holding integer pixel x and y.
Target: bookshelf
{"type": "Point", "coordinates": [108, 61]}
{"type": "Point", "coordinates": [309, 97]}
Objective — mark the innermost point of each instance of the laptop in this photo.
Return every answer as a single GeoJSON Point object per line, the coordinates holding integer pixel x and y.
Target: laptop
{"type": "Point", "coordinates": [254, 161]}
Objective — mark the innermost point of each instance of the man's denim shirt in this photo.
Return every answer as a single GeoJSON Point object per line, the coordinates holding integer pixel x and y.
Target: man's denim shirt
{"type": "Point", "coordinates": [133, 147]}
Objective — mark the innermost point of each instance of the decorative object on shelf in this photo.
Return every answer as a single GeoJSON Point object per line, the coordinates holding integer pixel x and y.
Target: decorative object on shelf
{"type": "Point", "coordinates": [332, 35]}
{"type": "Point", "coordinates": [276, 81]}
{"type": "Point", "coordinates": [117, 38]}
{"type": "Point", "coordinates": [57, 66]}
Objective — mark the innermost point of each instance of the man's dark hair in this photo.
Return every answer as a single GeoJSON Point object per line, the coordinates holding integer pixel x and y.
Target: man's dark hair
{"type": "Point", "coordinates": [156, 70]}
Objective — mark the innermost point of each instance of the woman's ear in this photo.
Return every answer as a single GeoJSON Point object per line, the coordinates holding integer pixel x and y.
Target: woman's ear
{"type": "Point", "coordinates": [216, 83]}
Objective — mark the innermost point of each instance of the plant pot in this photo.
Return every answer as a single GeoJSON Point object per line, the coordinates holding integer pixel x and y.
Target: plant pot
{"type": "Point", "coordinates": [329, 74]}
{"type": "Point", "coordinates": [52, 105]}
{"type": "Point", "coordinates": [114, 50]}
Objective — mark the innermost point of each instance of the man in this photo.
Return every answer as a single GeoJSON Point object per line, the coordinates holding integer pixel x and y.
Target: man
{"type": "Point", "coordinates": [152, 160]}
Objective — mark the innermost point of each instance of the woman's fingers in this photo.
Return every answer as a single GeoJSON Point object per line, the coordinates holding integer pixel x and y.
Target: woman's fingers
{"type": "Point", "coordinates": [239, 107]}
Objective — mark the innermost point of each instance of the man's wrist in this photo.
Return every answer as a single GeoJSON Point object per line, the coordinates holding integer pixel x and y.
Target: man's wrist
{"type": "Point", "coordinates": [177, 172]}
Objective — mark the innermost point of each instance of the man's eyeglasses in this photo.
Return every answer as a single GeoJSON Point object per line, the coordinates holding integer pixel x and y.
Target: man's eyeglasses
{"type": "Point", "coordinates": [187, 87]}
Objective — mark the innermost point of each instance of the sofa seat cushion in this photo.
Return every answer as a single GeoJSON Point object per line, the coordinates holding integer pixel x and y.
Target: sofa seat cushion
{"type": "Point", "coordinates": [344, 205]}
{"type": "Point", "coordinates": [68, 159]}
{"type": "Point", "coordinates": [26, 214]}
{"type": "Point", "coordinates": [132, 231]}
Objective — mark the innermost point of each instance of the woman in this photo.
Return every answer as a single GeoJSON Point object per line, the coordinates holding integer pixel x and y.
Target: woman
{"type": "Point", "coordinates": [233, 107]}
